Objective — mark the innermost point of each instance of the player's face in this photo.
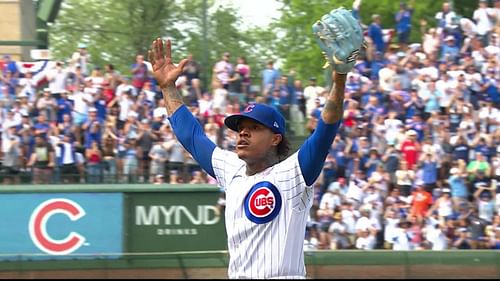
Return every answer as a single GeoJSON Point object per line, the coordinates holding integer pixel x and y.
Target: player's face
{"type": "Point", "coordinates": [254, 141]}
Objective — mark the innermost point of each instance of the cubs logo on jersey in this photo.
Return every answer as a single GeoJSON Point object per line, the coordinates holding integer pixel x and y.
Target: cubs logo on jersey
{"type": "Point", "coordinates": [262, 203]}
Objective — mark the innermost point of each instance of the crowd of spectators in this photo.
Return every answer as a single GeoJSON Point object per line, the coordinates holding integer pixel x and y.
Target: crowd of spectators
{"type": "Point", "coordinates": [417, 161]}
{"type": "Point", "coordinates": [414, 166]}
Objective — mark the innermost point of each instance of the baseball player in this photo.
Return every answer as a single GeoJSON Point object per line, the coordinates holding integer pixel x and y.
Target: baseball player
{"type": "Point", "coordinates": [268, 193]}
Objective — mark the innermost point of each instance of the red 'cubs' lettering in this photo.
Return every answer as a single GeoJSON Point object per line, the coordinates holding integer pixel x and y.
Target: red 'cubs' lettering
{"type": "Point", "coordinates": [261, 202]}
{"type": "Point", "coordinates": [264, 201]}
{"type": "Point", "coordinates": [38, 226]}
{"type": "Point", "coordinates": [270, 201]}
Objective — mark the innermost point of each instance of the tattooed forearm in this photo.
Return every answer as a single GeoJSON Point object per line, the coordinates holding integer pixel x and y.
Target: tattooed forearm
{"type": "Point", "coordinates": [173, 99]}
{"type": "Point", "coordinates": [333, 111]}
{"type": "Point", "coordinates": [334, 105]}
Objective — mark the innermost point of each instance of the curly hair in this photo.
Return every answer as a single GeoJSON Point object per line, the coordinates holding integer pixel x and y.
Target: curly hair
{"type": "Point", "coordinates": [283, 148]}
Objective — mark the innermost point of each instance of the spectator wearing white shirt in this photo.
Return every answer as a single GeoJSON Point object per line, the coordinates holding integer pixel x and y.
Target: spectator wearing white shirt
{"type": "Point", "coordinates": [222, 69]}
{"type": "Point", "coordinates": [429, 70]}
{"type": "Point", "coordinates": [332, 197]}
{"type": "Point", "coordinates": [445, 85]}
{"type": "Point", "coordinates": [445, 18]}
{"type": "Point", "coordinates": [57, 79]}
{"type": "Point", "coordinates": [28, 86]}
{"type": "Point", "coordinates": [436, 236]}
{"type": "Point", "coordinates": [391, 221]}
{"type": "Point", "coordinates": [82, 101]}
{"type": "Point", "coordinates": [11, 163]}
{"type": "Point", "coordinates": [205, 105]}
{"type": "Point", "coordinates": [159, 156]}
{"type": "Point", "coordinates": [386, 75]}
{"type": "Point", "coordinates": [469, 29]}
{"type": "Point", "coordinates": [365, 221]}
{"type": "Point", "coordinates": [338, 233]}
{"type": "Point", "coordinates": [311, 93]}
{"type": "Point", "coordinates": [349, 216]}
{"type": "Point", "coordinates": [125, 86]}
{"type": "Point", "coordinates": [220, 96]}
{"type": "Point", "coordinates": [484, 17]}
{"type": "Point", "coordinates": [402, 238]}
{"type": "Point", "coordinates": [366, 239]}
{"type": "Point", "coordinates": [81, 58]}
{"type": "Point", "coordinates": [392, 126]}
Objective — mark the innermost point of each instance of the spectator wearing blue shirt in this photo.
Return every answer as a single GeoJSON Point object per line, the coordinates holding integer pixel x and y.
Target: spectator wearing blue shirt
{"type": "Point", "coordinates": [489, 88]}
{"type": "Point", "coordinates": [11, 66]}
{"type": "Point", "coordinates": [353, 83]}
{"type": "Point", "coordinates": [373, 108]}
{"type": "Point", "coordinates": [356, 5]}
{"type": "Point", "coordinates": [403, 24]}
{"type": "Point", "coordinates": [330, 171]}
{"type": "Point", "coordinates": [415, 106]}
{"type": "Point", "coordinates": [100, 104]}
{"type": "Point", "coordinates": [11, 82]}
{"type": "Point", "coordinates": [480, 145]}
{"type": "Point", "coordinates": [274, 99]}
{"type": "Point", "coordinates": [42, 127]}
{"type": "Point", "coordinates": [417, 124]}
{"type": "Point", "coordinates": [461, 149]}
{"type": "Point", "coordinates": [431, 97]}
{"type": "Point", "coordinates": [376, 34]}
{"type": "Point", "coordinates": [92, 128]}
{"type": "Point", "coordinates": [285, 97]}
{"type": "Point", "coordinates": [458, 186]}
{"type": "Point", "coordinates": [398, 98]}
{"type": "Point", "coordinates": [450, 52]}
{"type": "Point", "coordinates": [373, 161]}
{"type": "Point", "coordinates": [64, 106]}
{"type": "Point", "coordinates": [377, 64]}
{"type": "Point", "coordinates": [429, 171]}
{"type": "Point", "coordinates": [270, 76]}
{"type": "Point", "coordinates": [338, 150]}
{"type": "Point", "coordinates": [363, 68]}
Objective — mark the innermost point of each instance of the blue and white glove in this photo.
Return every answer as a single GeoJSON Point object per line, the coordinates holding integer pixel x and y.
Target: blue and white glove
{"type": "Point", "coordinates": [340, 37]}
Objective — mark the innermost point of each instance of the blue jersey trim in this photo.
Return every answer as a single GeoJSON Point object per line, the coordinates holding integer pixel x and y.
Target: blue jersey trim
{"type": "Point", "coordinates": [313, 152]}
{"type": "Point", "coordinates": [191, 135]}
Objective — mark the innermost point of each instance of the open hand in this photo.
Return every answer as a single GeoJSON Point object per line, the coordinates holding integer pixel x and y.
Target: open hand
{"type": "Point", "coordinates": [164, 71]}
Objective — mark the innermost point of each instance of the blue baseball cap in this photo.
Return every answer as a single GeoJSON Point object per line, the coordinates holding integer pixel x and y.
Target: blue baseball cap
{"type": "Point", "coordinates": [264, 114]}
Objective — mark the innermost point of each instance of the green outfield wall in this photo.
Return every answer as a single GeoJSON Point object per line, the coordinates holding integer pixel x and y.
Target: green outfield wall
{"type": "Point", "coordinates": [171, 231]}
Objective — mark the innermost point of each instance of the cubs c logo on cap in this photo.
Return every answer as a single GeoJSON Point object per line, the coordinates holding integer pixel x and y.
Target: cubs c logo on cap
{"type": "Point", "coordinates": [249, 108]}
{"type": "Point", "coordinates": [262, 203]}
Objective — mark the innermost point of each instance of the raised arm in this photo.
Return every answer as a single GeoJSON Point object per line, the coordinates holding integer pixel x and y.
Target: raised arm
{"type": "Point", "coordinates": [334, 105]}
{"type": "Point", "coordinates": [186, 128]}
{"type": "Point", "coordinates": [166, 73]}
{"type": "Point", "coordinates": [340, 38]}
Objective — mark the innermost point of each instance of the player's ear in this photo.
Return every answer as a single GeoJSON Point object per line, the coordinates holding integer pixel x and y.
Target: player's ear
{"type": "Point", "coordinates": [276, 139]}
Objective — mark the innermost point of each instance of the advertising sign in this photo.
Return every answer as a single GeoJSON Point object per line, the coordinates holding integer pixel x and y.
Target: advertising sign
{"type": "Point", "coordinates": [61, 225]}
{"type": "Point", "coordinates": [165, 222]}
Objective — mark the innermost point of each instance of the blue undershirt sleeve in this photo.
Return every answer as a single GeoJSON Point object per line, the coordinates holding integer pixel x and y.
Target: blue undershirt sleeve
{"type": "Point", "coordinates": [191, 135]}
{"type": "Point", "coordinates": [313, 152]}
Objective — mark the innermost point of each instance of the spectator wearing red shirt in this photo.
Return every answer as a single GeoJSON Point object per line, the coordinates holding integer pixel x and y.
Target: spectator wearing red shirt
{"type": "Point", "coordinates": [139, 73]}
{"type": "Point", "coordinates": [420, 201]}
{"type": "Point", "coordinates": [410, 149]}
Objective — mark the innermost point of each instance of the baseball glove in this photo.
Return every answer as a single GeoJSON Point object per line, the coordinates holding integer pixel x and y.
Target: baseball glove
{"type": "Point", "coordinates": [340, 37]}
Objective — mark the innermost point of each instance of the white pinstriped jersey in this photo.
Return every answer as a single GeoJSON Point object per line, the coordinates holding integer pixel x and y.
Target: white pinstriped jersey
{"type": "Point", "coordinates": [265, 215]}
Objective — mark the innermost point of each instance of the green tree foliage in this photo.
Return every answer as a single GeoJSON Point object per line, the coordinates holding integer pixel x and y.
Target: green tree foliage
{"type": "Point", "coordinates": [299, 50]}
{"type": "Point", "coordinates": [114, 31]}
{"type": "Point", "coordinates": [225, 33]}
